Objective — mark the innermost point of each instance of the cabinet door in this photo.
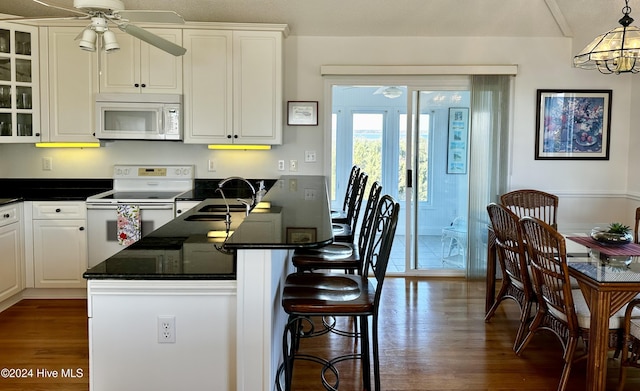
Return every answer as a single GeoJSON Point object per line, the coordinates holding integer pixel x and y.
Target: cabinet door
{"type": "Point", "coordinates": [70, 78]}
{"type": "Point", "coordinates": [141, 68]}
{"type": "Point", "coordinates": [257, 83]}
{"type": "Point", "coordinates": [10, 261]}
{"type": "Point", "coordinates": [208, 87]}
{"type": "Point", "coordinates": [60, 253]}
{"type": "Point", "coordinates": [19, 84]}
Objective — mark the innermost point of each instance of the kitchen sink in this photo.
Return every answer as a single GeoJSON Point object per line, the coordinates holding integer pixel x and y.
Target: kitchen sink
{"type": "Point", "coordinates": [207, 217]}
{"type": "Point", "coordinates": [222, 208]}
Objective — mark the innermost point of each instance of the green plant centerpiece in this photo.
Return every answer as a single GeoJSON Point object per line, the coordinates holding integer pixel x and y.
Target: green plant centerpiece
{"type": "Point", "coordinates": [616, 233]}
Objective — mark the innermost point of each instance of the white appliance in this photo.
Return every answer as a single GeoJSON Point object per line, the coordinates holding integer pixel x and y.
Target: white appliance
{"type": "Point", "coordinates": [153, 188]}
{"type": "Point", "coordinates": [139, 116]}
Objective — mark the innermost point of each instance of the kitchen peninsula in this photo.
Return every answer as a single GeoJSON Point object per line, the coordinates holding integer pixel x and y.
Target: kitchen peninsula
{"type": "Point", "coordinates": [185, 309]}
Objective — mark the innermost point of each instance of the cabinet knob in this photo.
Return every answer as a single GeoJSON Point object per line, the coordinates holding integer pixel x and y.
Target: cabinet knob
{"type": "Point", "coordinates": [228, 136]}
{"type": "Point", "coordinates": [81, 228]}
{"type": "Point", "coordinates": [37, 134]}
{"type": "Point", "coordinates": [143, 85]}
{"type": "Point", "coordinates": [58, 210]}
{"type": "Point", "coordinates": [235, 136]}
{"type": "Point", "coordinates": [6, 215]}
{"type": "Point", "coordinates": [136, 85]}
{"type": "Point", "coordinates": [179, 211]}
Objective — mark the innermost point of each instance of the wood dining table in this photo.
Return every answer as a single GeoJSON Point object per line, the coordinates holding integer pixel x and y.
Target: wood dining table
{"type": "Point", "coordinates": [609, 278]}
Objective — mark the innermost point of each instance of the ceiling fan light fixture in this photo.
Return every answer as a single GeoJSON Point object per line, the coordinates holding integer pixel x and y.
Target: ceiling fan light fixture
{"type": "Point", "coordinates": [392, 92]}
{"type": "Point", "coordinates": [88, 40]}
{"type": "Point", "coordinates": [110, 43]}
{"type": "Point", "coordinates": [617, 51]}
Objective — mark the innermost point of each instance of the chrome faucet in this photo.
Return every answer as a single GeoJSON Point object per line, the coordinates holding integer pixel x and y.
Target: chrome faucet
{"type": "Point", "coordinates": [248, 203]}
{"type": "Point", "coordinates": [227, 218]}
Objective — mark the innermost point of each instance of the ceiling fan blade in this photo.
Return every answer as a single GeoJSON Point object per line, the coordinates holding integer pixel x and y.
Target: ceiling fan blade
{"type": "Point", "coordinates": [139, 16]}
{"type": "Point", "coordinates": [153, 39]}
{"type": "Point", "coordinates": [37, 18]}
{"type": "Point", "coordinates": [60, 8]}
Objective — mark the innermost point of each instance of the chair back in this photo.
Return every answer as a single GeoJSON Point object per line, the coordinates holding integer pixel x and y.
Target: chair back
{"type": "Point", "coordinates": [512, 251]}
{"type": "Point", "coordinates": [367, 218]}
{"type": "Point", "coordinates": [355, 204]}
{"type": "Point", "coordinates": [381, 237]}
{"type": "Point", "coordinates": [535, 203]}
{"type": "Point", "coordinates": [351, 183]}
{"type": "Point", "coordinates": [548, 257]}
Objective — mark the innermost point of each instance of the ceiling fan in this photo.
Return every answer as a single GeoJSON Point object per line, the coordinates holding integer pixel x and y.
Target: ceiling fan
{"type": "Point", "coordinates": [103, 12]}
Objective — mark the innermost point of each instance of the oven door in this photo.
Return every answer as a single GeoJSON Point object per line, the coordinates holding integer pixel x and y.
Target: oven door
{"type": "Point", "coordinates": [102, 227]}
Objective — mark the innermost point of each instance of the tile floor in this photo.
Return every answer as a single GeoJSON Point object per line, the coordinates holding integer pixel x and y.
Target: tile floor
{"type": "Point", "coordinates": [432, 254]}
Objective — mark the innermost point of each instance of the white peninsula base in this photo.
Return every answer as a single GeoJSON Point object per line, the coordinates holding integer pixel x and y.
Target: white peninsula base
{"type": "Point", "coordinates": [227, 333]}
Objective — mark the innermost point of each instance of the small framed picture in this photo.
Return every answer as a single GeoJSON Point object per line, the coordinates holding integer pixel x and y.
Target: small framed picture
{"type": "Point", "coordinates": [573, 124]}
{"type": "Point", "coordinates": [301, 235]}
{"type": "Point", "coordinates": [301, 113]}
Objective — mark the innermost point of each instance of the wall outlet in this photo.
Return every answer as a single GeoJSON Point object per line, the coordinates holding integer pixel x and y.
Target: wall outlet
{"type": "Point", "coordinates": [280, 165]}
{"type": "Point", "coordinates": [310, 156]}
{"type": "Point", "coordinates": [293, 165]}
{"type": "Point", "coordinates": [166, 329]}
{"type": "Point", "coordinates": [309, 194]}
{"type": "Point", "coordinates": [212, 165]}
{"type": "Point", "coordinates": [47, 164]}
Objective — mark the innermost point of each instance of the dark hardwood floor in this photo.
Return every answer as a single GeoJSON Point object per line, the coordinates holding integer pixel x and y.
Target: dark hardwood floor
{"type": "Point", "coordinates": [432, 334]}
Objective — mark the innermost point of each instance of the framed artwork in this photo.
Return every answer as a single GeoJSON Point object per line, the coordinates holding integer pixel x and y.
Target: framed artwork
{"type": "Point", "coordinates": [458, 140]}
{"type": "Point", "coordinates": [302, 113]}
{"type": "Point", "coordinates": [573, 124]}
{"type": "Point", "coordinates": [301, 235]}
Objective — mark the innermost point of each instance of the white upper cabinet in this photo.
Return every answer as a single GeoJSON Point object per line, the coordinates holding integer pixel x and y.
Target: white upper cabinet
{"type": "Point", "coordinates": [19, 84]}
{"type": "Point", "coordinates": [233, 87]}
{"type": "Point", "coordinates": [208, 86]}
{"type": "Point", "coordinates": [257, 87]}
{"type": "Point", "coordinates": [69, 80]}
{"type": "Point", "coordinates": [141, 68]}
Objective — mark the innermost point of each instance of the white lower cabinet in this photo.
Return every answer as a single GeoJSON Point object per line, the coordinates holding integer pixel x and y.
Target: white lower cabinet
{"type": "Point", "coordinates": [59, 244]}
{"type": "Point", "coordinates": [11, 251]}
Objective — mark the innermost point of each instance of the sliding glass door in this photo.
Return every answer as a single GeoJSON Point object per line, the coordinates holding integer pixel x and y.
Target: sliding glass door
{"type": "Point", "coordinates": [399, 134]}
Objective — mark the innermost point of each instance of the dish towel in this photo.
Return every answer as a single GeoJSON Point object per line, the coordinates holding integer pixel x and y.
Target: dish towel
{"type": "Point", "coordinates": [128, 224]}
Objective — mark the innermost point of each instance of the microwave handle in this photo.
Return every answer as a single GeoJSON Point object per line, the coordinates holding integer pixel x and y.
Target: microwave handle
{"type": "Point", "coordinates": [161, 121]}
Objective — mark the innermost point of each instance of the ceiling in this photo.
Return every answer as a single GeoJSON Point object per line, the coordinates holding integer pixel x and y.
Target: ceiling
{"type": "Point", "coordinates": [582, 19]}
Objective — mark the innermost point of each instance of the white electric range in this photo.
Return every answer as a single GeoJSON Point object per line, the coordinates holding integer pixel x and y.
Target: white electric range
{"type": "Point", "coordinates": [153, 188]}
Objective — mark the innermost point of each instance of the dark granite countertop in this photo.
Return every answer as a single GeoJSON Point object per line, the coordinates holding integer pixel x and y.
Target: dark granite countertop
{"type": "Point", "coordinates": [48, 189]}
{"type": "Point", "coordinates": [295, 213]}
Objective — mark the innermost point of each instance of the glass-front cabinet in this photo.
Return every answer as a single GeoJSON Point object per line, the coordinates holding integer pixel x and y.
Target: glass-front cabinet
{"type": "Point", "coordinates": [19, 89]}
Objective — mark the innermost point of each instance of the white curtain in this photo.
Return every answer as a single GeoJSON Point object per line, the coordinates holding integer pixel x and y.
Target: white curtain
{"type": "Point", "coordinates": [490, 107]}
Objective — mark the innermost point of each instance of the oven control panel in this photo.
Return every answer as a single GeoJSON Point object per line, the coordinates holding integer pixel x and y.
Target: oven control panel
{"type": "Point", "coordinates": [142, 172]}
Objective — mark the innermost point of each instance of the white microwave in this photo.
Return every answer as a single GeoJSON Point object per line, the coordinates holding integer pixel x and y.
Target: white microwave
{"type": "Point", "coordinates": [138, 116]}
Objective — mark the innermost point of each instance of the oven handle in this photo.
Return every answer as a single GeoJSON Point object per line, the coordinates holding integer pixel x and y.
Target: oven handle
{"type": "Point", "coordinates": [142, 206]}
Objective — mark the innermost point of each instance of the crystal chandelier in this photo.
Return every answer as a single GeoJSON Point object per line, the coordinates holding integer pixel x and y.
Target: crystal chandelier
{"type": "Point", "coordinates": [617, 51]}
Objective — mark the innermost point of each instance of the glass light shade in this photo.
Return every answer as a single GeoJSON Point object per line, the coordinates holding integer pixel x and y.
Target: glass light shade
{"type": "Point", "coordinates": [110, 43]}
{"type": "Point", "coordinates": [88, 40]}
{"type": "Point", "coordinates": [616, 51]}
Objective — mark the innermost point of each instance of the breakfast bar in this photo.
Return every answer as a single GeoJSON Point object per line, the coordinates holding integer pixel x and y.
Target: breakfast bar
{"type": "Point", "coordinates": [196, 303]}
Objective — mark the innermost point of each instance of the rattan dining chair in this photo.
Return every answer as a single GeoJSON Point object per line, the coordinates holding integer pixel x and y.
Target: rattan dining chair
{"type": "Point", "coordinates": [535, 203]}
{"type": "Point", "coordinates": [341, 255]}
{"type": "Point", "coordinates": [631, 346]}
{"type": "Point", "coordinates": [636, 226]}
{"type": "Point", "coordinates": [561, 310]}
{"type": "Point", "coordinates": [512, 255]}
{"type": "Point", "coordinates": [307, 295]}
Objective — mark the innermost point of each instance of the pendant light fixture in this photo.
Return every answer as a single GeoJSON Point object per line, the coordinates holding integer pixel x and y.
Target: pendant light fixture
{"type": "Point", "coordinates": [98, 30]}
{"type": "Point", "coordinates": [617, 51]}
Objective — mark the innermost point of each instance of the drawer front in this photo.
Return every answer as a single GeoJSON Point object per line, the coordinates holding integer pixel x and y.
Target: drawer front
{"type": "Point", "coordinates": [46, 210]}
{"type": "Point", "coordinates": [9, 214]}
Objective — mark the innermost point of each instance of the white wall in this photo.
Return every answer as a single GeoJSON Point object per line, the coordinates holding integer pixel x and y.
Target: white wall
{"type": "Point", "coordinates": [543, 63]}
